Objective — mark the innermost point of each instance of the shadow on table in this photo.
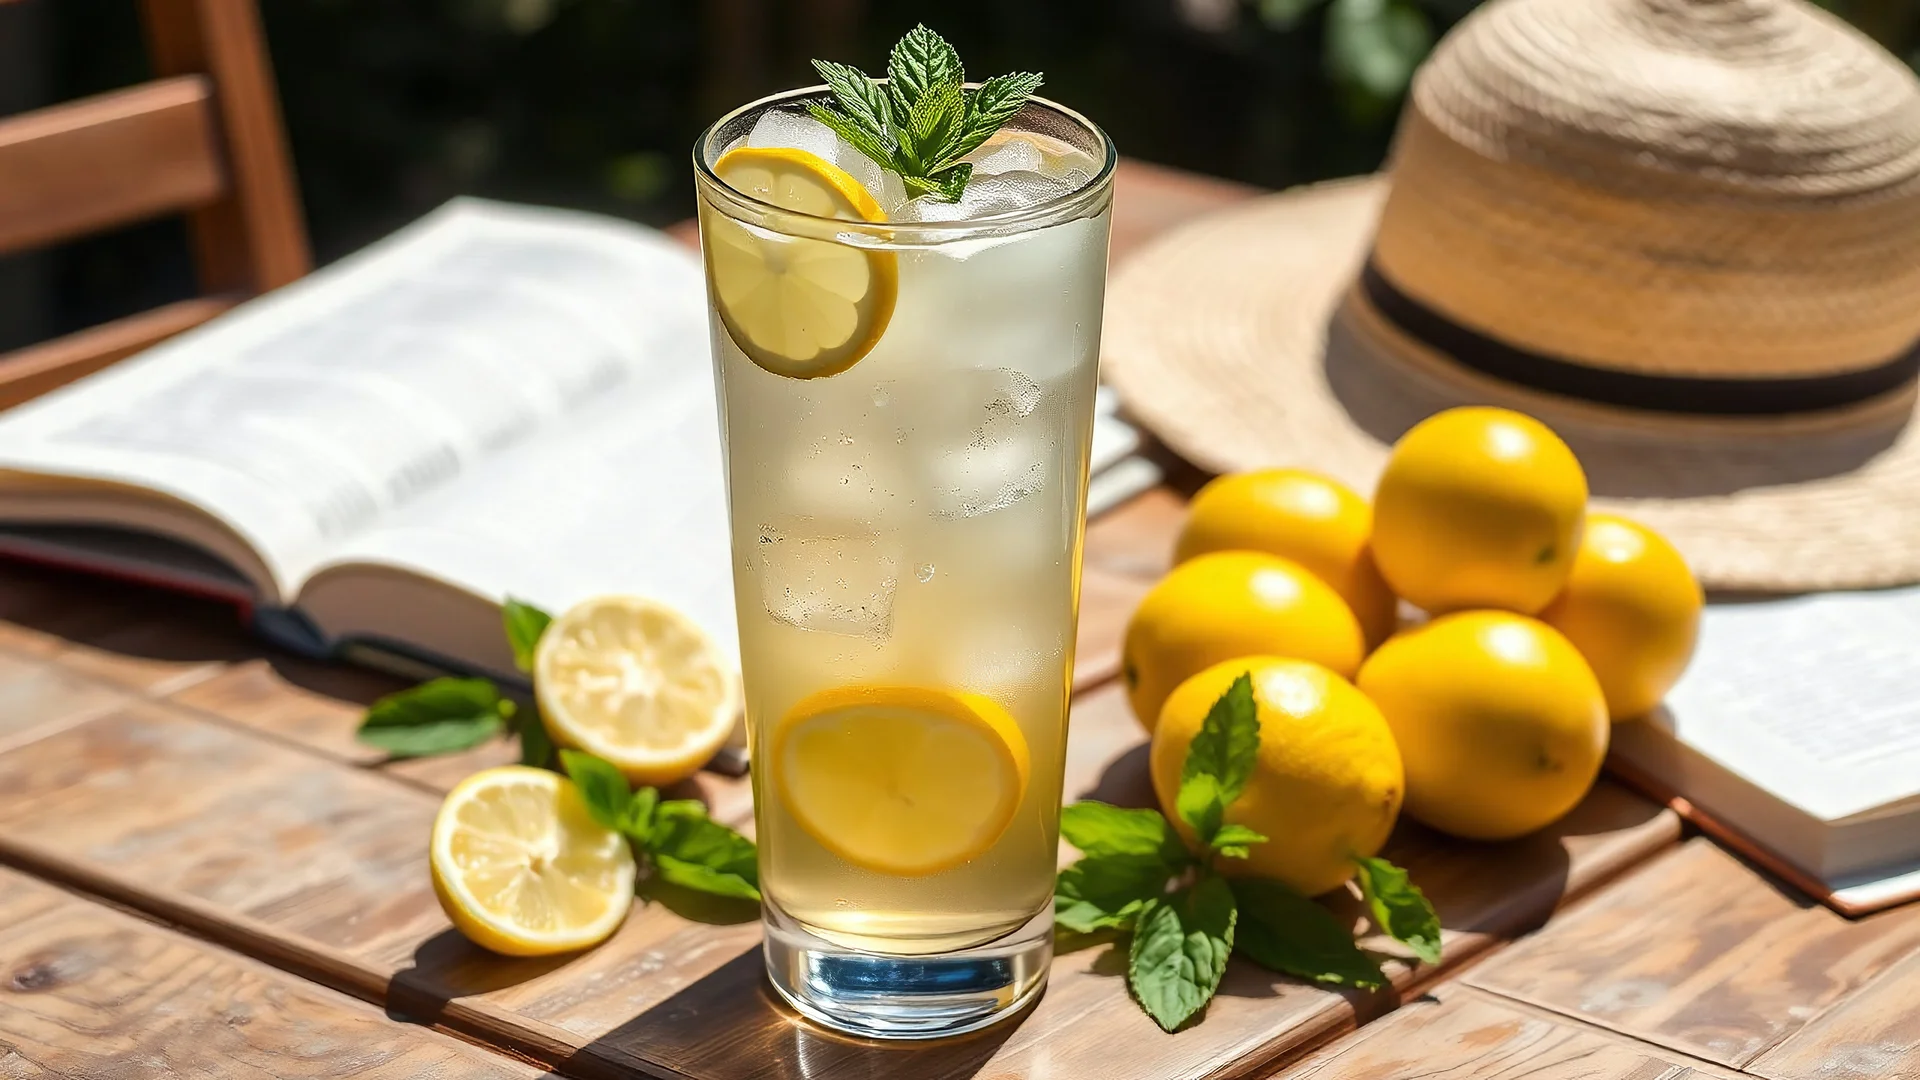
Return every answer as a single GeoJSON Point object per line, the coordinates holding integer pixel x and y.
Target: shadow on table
{"type": "Point", "coordinates": [731, 1025]}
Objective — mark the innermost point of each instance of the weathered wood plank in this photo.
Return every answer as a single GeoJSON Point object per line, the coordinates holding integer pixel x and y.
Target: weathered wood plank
{"type": "Point", "coordinates": [87, 165]}
{"type": "Point", "coordinates": [1871, 1035]}
{"type": "Point", "coordinates": [1459, 1034]}
{"type": "Point", "coordinates": [37, 696]}
{"type": "Point", "coordinates": [318, 865]}
{"type": "Point", "coordinates": [1107, 601]}
{"type": "Point", "coordinates": [1137, 539]}
{"type": "Point", "coordinates": [89, 991]}
{"type": "Point", "coordinates": [1703, 954]}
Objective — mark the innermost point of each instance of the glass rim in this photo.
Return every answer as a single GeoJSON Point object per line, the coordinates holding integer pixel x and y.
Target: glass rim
{"type": "Point", "coordinates": [1046, 212]}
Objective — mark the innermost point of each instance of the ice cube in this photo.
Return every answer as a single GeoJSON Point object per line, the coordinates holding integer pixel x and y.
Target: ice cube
{"type": "Point", "coordinates": [1003, 155]}
{"type": "Point", "coordinates": [973, 480]}
{"type": "Point", "coordinates": [991, 194]}
{"type": "Point", "coordinates": [828, 578]}
{"type": "Point", "coordinates": [843, 475]}
{"type": "Point", "coordinates": [998, 657]}
{"type": "Point", "coordinates": [798, 131]}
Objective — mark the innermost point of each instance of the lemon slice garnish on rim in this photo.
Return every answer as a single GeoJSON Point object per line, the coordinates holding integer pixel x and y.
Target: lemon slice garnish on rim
{"type": "Point", "coordinates": [797, 306]}
{"type": "Point", "coordinates": [900, 780]}
{"type": "Point", "coordinates": [637, 683]}
{"type": "Point", "coordinates": [522, 869]}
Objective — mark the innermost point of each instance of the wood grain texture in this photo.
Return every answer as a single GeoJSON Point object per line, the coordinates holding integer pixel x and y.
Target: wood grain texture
{"type": "Point", "coordinates": [318, 865]}
{"type": "Point", "coordinates": [92, 164]}
{"type": "Point", "coordinates": [1136, 540]}
{"type": "Point", "coordinates": [37, 697]}
{"type": "Point", "coordinates": [1874, 1033]}
{"type": "Point", "coordinates": [1459, 1034]}
{"type": "Point", "coordinates": [1703, 954]}
{"type": "Point", "coordinates": [88, 991]}
{"type": "Point", "coordinates": [256, 239]}
{"type": "Point", "coordinates": [27, 373]}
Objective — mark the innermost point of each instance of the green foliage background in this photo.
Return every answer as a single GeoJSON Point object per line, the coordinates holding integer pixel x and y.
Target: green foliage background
{"type": "Point", "coordinates": [393, 106]}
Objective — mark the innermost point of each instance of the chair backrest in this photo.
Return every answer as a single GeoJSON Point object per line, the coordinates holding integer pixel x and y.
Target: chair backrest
{"type": "Point", "coordinates": [204, 139]}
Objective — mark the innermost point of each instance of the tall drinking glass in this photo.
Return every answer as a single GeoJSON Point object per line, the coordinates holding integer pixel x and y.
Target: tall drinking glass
{"type": "Point", "coordinates": [906, 554]}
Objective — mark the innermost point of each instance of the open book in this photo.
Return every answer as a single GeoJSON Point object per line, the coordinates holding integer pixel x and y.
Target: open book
{"type": "Point", "coordinates": [1795, 736]}
{"type": "Point", "coordinates": [494, 401]}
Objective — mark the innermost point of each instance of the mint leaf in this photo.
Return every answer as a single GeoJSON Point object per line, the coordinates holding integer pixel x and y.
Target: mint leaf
{"type": "Point", "coordinates": [637, 822]}
{"type": "Point", "coordinates": [705, 879]}
{"type": "Point", "coordinates": [1106, 892]}
{"type": "Point", "coordinates": [860, 98]}
{"type": "Point", "coordinates": [683, 836]}
{"type": "Point", "coordinates": [1234, 841]}
{"type": "Point", "coordinates": [1180, 948]}
{"type": "Point", "coordinates": [997, 101]}
{"type": "Point", "coordinates": [602, 787]}
{"type": "Point", "coordinates": [438, 717]}
{"type": "Point", "coordinates": [924, 119]}
{"type": "Point", "coordinates": [536, 746]}
{"type": "Point", "coordinates": [524, 624]}
{"type": "Point", "coordinates": [1099, 829]}
{"type": "Point", "coordinates": [1285, 932]}
{"type": "Point", "coordinates": [921, 62]}
{"type": "Point", "coordinates": [1220, 759]}
{"type": "Point", "coordinates": [877, 147]}
{"type": "Point", "coordinates": [935, 122]}
{"type": "Point", "coordinates": [1400, 908]}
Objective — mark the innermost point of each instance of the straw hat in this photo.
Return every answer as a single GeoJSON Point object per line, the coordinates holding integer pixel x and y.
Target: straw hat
{"type": "Point", "coordinates": [1683, 233]}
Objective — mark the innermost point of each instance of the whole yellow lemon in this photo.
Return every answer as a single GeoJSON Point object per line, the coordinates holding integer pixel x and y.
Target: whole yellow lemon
{"type": "Point", "coordinates": [1477, 508]}
{"type": "Point", "coordinates": [1314, 520]}
{"type": "Point", "coordinates": [1228, 604]}
{"type": "Point", "coordinates": [1632, 608]}
{"type": "Point", "coordinates": [1500, 721]}
{"type": "Point", "coordinates": [1326, 781]}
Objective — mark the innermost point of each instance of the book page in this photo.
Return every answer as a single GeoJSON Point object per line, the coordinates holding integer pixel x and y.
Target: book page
{"type": "Point", "coordinates": [306, 416]}
{"type": "Point", "coordinates": [1815, 698]}
{"type": "Point", "coordinates": [629, 497]}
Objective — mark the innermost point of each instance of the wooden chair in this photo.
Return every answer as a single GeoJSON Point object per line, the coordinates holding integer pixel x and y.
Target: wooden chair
{"type": "Point", "coordinates": [203, 139]}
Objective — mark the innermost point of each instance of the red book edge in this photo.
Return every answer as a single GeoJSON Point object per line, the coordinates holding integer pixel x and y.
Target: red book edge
{"type": "Point", "coordinates": [241, 601]}
{"type": "Point", "coordinates": [1747, 847]}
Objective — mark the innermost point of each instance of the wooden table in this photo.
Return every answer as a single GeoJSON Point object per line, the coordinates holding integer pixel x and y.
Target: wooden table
{"type": "Point", "coordinates": [202, 874]}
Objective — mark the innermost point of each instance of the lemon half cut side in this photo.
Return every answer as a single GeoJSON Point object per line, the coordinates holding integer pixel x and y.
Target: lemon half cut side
{"type": "Point", "coordinates": [900, 780]}
{"type": "Point", "coordinates": [522, 869]}
{"type": "Point", "coordinates": [637, 683]}
{"type": "Point", "coordinates": [799, 307]}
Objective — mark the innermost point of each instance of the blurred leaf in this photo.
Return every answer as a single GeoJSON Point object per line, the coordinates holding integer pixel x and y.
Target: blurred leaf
{"type": "Point", "coordinates": [1284, 15]}
{"type": "Point", "coordinates": [1373, 45]}
{"type": "Point", "coordinates": [638, 177]}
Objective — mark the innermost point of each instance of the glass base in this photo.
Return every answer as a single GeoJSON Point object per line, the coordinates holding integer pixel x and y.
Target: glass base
{"type": "Point", "coordinates": [907, 997]}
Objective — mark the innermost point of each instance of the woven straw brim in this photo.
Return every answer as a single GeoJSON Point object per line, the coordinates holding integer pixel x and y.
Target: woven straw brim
{"type": "Point", "coordinates": [1241, 342]}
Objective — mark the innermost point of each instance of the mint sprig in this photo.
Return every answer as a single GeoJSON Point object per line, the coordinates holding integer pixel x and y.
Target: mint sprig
{"type": "Point", "coordinates": [1137, 876]}
{"type": "Point", "coordinates": [675, 838]}
{"type": "Point", "coordinates": [924, 118]}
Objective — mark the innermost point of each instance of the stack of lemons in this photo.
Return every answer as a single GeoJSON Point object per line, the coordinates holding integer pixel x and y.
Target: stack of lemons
{"type": "Point", "coordinates": [1537, 626]}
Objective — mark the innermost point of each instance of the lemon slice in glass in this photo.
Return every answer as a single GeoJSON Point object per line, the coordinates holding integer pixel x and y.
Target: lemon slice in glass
{"type": "Point", "coordinates": [637, 683]}
{"type": "Point", "coordinates": [900, 780]}
{"type": "Point", "coordinates": [797, 306]}
{"type": "Point", "coordinates": [522, 869]}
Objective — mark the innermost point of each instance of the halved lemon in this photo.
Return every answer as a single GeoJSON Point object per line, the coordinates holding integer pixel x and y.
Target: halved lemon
{"type": "Point", "coordinates": [637, 683]}
{"type": "Point", "coordinates": [900, 780]}
{"type": "Point", "coordinates": [522, 869]}
{"type": "Point", "coordinates": [797, 306]}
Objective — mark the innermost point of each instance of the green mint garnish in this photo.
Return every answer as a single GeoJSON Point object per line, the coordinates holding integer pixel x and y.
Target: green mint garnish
{"type": "Point", "coordinates": [1138, 877]}
{"type": "Point", "coordinates": [444, 716]}
{"type": "Point", "coordinates": [923, 119]}
{"type": "Point", "coordinates": [677, 838]}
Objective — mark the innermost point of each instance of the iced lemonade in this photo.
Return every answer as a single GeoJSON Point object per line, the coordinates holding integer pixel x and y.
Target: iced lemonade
{"type": "Point", "coordinates": [906, 535]}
